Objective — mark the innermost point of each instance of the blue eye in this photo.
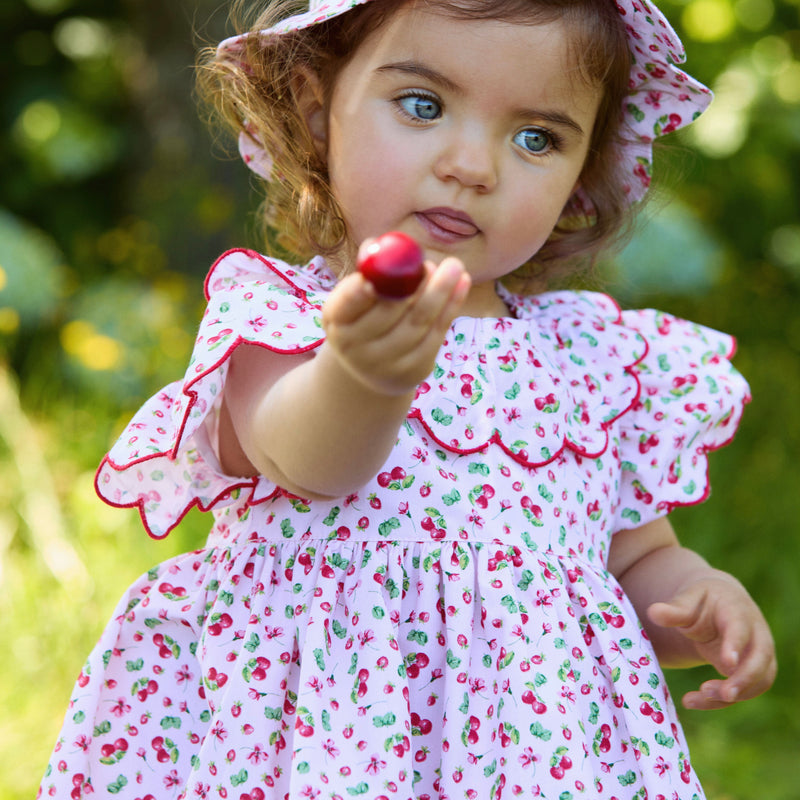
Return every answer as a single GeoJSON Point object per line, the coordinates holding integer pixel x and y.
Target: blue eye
{"type": "Point", "coordinates": [421, 106]}
{"type": "Point", "coordinates": [534, 140]}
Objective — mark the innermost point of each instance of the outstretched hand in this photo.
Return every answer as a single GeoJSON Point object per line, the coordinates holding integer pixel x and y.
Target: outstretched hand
{"type": "Point", "coordinates": [389, 345]}
{"type": "Point", "coordinates": [729, 632]}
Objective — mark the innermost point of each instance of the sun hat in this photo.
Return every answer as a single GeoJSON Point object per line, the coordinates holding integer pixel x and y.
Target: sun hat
{"type": "Point", "coordinates": [661, 97]}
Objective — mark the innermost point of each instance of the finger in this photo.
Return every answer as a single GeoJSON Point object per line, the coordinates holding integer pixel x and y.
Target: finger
{"type": "Point", "coordinates": [708, 697]}
{"type": "Point", "coordinates": [684, 610]}
{"type": "Point", "coordinates": [756, 670]}
{"type": "Point", "coordinates": [442, 295]}
{"type": "Point", "coordinates": [350, 300]}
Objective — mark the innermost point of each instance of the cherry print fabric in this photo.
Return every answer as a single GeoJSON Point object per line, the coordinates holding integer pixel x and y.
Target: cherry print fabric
{"type": "Point", "coordinates": [450, 629]}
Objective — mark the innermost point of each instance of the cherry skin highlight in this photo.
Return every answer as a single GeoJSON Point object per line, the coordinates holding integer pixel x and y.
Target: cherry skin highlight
{"type": "Point", "coordinates": [393, 264]}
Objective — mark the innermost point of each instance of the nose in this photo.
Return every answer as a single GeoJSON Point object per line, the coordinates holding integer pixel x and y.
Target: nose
{"type": "Point", "coordinates": [468, 158]}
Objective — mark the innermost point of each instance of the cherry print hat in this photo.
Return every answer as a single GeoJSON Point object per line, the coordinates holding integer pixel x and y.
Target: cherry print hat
{"type": "Point", "coordinates": [662, 98]}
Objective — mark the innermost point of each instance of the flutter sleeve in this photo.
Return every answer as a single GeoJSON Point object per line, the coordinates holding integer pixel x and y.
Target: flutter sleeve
{"type": "Point", "coordinates": [691, 402]}
{"type": "Point", "coordinates": [164, 462]}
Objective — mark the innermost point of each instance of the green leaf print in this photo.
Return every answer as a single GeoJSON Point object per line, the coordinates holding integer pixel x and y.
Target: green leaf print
{"type": "Point", "coordinates": [287, 529]}
{"type": "Point", "coordinates": [504, 661]}
{"type": "Point", "coordinates": [594, 713]}
{"type": "Point", "coordinates": [304, 768]}
{"type": "Point", "coordinates": [440, 417]}
{"type": "Point", "coordinates": [653, 681]}
{"type": "Point", "coordinates": [119, 784]}
{"type": "Point", "coordinates": [476, 467]}
{"type": "Point", "coordinates": [643, 746]}
{"type": "Point", "coordinates": [386, 528]}
{"type": "Point", "coordinates": [339, 631]}
{"type": "Point", "coordinates": [451, 498]}
{"type": "Point", "coordinates": [540, 732]}
{"type": "Point", "coordinates": [338, 560]}
{"type": "Point", "coordinates": [171, 722]}
{"type": "Point", "coordinates": [513, 392]}
{"type": "Point", "coordinates": [134, 666]}
{"type": "Point", "coordinates": [361, 788]}
{"type": "Point", "coordinates": [453, 661]}
{"type": "Point", "coordinates": [78, 717]}
{"type": "Point", "coordinates": [508, 602]}
{"type": "Point", "coordinates": [331, 518]}
{"type": "Point", "coordinates": [253, 643]}
{"type": "Point", "coordinates": [386, 721]}
{"type": "Point", "coordinates": [103, 727]}
{"type": "Point", "coordinates": [527, 538]}
{"type": "Point", "coordinates": [490, 770]}
{"type": "Point", "coordinates": [635, 112]}
{"type": "Point", "coordinates": [664, 740]}
{"type": "Point", "coordinates": [628, 778]}
{"type": "Point", "coordinates": [631, 514]}
{"type": "Point", "coordinates": [545, 493]}
{"type": "Point", "coordinates": [526, 579]}
{"type": "Point", "coordinates": [418, 636]}
{"type": "Point", "coordinates": [464, 707]}
{"type": "Point", "coordinates": [239, 778]}
{"type": "Point", "coordinates": [325, 717]}
{"type": "Point", "coordinates": [318, 657]}
{"type": "Point", "coordinates": [273, 712]}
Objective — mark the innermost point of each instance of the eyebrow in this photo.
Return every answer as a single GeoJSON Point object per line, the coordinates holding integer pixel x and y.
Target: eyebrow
{"type": "Point", "coordinates": [420, 70]}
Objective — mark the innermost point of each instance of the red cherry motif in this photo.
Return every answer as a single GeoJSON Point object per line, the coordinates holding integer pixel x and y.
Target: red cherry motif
{"type": "Point", "coordinates": [393, 264]}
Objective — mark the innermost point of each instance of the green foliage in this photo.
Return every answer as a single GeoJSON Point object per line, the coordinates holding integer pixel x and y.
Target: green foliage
{"type": "Point", "coordinates": [112, 208]}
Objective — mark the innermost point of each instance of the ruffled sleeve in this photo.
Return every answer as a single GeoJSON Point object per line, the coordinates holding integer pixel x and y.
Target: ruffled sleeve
{"type": "Point", "coordinates": [691, 402]}
{"type": "Point", "coordinates": [164, 463]}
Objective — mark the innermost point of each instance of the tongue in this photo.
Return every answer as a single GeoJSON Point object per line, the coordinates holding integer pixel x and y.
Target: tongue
{"type": "Point", "coordinates": [452, 224]}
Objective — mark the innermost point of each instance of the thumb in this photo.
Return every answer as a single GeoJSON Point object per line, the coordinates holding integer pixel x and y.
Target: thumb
{"type": "Point", "coordinates": [680, 611]}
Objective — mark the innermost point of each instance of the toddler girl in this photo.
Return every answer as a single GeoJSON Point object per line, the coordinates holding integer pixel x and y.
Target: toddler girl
{"type": "Point", "coordinates": [439, 520]}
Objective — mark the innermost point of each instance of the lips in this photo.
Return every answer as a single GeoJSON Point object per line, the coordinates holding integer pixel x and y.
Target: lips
{"type": "Point", "coordinates": [448, 223]}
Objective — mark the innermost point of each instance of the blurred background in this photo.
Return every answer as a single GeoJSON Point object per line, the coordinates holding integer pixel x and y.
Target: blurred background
{"type": "Point", "coordinates": [114, 202]}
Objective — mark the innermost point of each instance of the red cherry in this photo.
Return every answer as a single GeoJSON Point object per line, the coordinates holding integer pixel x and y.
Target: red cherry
{"type": "Point", "coordinates": [393, 264]}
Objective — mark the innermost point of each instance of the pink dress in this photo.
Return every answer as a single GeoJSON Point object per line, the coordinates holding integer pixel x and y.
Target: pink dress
{"type": "Point", "coordinates": [450, 630]}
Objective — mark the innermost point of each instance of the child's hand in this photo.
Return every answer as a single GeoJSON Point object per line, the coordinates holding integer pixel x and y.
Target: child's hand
{"type": "Point", "coordinates": [390, 345]}
{"type": "Point", "coordinates": [729, 632]}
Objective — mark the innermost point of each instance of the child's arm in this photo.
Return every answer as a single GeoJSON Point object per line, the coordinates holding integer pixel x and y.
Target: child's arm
{"type": "Point", "coordinates": [322, 425]}
{"type": "Point", "coordinates": [694, 614]}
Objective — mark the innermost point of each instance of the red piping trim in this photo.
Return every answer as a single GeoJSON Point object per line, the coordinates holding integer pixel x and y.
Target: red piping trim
{"type": "Point", "coordinates": [188, 392]}
{"type": "Point", "coordinates": [566, 444]}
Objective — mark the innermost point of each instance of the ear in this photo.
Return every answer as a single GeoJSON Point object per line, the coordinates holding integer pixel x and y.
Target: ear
{"type": "Point", "coordinates": [310, 99]}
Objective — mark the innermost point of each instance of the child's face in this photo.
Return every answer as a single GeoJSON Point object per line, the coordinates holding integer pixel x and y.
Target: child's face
{"type": "Point", "coordinates": [468, 135]}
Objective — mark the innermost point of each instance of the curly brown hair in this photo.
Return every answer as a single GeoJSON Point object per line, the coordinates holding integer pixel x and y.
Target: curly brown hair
{"type": "Point", "coordinates": [257, 93]}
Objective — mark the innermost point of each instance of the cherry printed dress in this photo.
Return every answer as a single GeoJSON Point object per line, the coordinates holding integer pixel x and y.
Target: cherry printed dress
{"type": "Point", "coordinates": [450, 629]}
